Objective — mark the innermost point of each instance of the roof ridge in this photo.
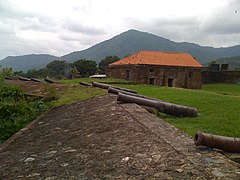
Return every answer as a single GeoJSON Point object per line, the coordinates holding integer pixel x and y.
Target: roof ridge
{"type": "Point", "coordinates": [160, 58]}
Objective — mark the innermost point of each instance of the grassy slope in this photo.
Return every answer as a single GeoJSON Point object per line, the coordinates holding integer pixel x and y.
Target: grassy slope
{"type": "Point", "coordinates": [220, 114]}
{"type": "Point", "coordinates": [77, 93]}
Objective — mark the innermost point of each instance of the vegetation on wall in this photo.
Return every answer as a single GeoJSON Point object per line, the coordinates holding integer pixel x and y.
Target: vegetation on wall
{"type": "Point", "coordinates": [16, 111]}
{"type": "Point", "coordinates": [3, 73]}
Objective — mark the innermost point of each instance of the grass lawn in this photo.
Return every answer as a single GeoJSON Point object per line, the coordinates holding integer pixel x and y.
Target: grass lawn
{"type": "Point", "coordinates": [219, 114]}
{"type": "Point", "coordinates": [226, 89]}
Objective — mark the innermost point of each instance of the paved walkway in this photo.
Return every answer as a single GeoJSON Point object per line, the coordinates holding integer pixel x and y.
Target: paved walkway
{"type": "Point", "coordinates": [101, 139]}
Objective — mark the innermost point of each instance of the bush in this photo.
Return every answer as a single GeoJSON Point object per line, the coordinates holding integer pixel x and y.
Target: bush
{"type": "Point", "coordinates": [15, 111]}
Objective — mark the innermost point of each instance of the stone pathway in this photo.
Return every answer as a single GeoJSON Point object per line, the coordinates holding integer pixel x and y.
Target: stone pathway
{"type": "Point", "coordinates": [101, 139]}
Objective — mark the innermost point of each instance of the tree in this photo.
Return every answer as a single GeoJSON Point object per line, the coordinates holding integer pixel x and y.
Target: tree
{"type": "Point", "coordinates": [59, 68]}
{"type": "Point", "coordinates": [3, 73]}
{"type": "Point", "coordinates": [74, 73]}
{"type": "Point", "coordinates": [105, 62]}
{"type": "Point", "coordinates": [85, 67]}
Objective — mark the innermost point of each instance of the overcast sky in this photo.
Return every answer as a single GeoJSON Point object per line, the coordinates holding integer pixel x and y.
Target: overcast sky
{"type": "Point", "coordinates": [58, 27]}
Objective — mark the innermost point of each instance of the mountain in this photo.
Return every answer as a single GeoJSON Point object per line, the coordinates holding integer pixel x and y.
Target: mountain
{"type": "Point", "coordinates": [26, 62]}
{"type": "Point", "coordinates": [234, 62]}
{"type": "Point", "coordinates": [124, 44]}
{"type": "Point", "coordinates": [132, 41]}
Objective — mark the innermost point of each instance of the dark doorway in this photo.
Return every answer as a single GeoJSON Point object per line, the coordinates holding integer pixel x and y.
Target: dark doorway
{"type": "Point", "coordinates": [151, 81]}
{"type": "Point", "coordinates": [127, 74]}
{"type": "Point", "coordinates": [170, 82]}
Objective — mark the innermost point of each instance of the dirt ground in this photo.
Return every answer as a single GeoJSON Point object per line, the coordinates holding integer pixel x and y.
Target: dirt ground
{"type": "Point", "coordinates": [102, 139]}
{"type": "Point", "coordinates": [37, 88]}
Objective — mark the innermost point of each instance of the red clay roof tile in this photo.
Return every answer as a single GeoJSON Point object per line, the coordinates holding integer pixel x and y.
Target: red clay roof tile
{"type": "Point", "coordinates": [159, 58]}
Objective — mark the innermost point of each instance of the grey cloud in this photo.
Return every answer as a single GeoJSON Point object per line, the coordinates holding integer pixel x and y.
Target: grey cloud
{"type": "Point", "coordinates": [68, 37]}
{"type": "Point", "coordinates": [222, 27]}
{"type": "Point", "coordinates": [178, 29]}
{"type": "Point", "coordinates": [9, 10]}
{"type": "Point", "coordinates": [5, 29]}
{"type": "Point", "coordinates": [81, 39]}
{"type": "Point", "coordinates": [81, 28]}
{"type": "Point", "coordinates": [225, 21]}
{"type": "Point", "coordinates": [36, 24]}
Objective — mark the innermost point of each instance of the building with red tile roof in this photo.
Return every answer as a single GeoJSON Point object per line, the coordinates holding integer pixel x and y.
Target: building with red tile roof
{"type": "Point", "coordinates": [159, 68]}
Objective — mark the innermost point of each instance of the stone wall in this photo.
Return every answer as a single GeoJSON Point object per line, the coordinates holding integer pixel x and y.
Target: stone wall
{"type": "Point", "coordinates": [184, 77]}
{"type": "Point", "coordinates": [209, 77]}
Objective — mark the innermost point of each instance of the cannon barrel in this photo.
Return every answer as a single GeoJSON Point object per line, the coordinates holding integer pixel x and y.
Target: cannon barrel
{"type": "Point", "coordinates": [100, 85]}
{"type": "Point", "coordinates": [229, 144]}
{"type": "Point", "coordinates": [37, 80]}
{"type": "Point", "coordinates": [51, 81]}
{"type": "Point", "coordinates": [164, 107]}
{"type": "Point", "coordinates": [85, 84]}
{"type": "Point", "coordinates": [116, 91]}
{"type": "Point", "coordinates": [24, 79]}
{"type": "Point", "coordinates": [8, 77]}
{"type": "Point", "coordinates": [107, 86]}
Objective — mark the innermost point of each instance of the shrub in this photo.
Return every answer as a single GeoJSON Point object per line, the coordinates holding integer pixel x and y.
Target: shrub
{"type": "Point", "coordinates": [15, 111]}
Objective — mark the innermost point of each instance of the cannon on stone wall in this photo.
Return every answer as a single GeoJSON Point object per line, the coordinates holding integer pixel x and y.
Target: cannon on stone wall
{"type": "Point", "coordinates": [229, 144]}
{"type": "Point", "coordinates": [51, 81]}
{"type": "Point", "coordinates": [24, 79]}
{"type": "Point", "coordinates": [164, 107]}
{"type": "Point", "coordinates": [106, 86]}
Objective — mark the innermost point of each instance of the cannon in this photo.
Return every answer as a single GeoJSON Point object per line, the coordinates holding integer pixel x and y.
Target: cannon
{"type": "Point", "coordinates": [37, 80]}
{"type": "Point", "coordinates": [100, 85]}
{"type": "Point", "coordinates": [228, 144]}
{"type": "Point", "coordinates": [107, 86]}
{"type": "Point", "coordinates": [116, 91]}
{"type": "Point", "coordinates": [164, 107]}
{"type": "Point", "coordinates": [85, 84]}
{"type": "Point", "coordinates": [51, 81]}
{"type": "Point", "coordinates": [24, 79]}
{"type": "Point", "coordinates": [8, 77]}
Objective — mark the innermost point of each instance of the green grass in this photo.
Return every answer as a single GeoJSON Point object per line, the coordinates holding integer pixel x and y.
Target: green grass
{"type": "Point", "coordinates": [77, 93]}
{"type": "Point", "coordinates": [220, 114]}
{"type": "Point", "coordinates": [226, 89]}
{"type": "Point", "coordinates": [90, 80]}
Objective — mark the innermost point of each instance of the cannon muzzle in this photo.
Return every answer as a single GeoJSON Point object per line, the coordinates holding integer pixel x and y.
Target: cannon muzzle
{"type": "Point", "coordinates": [229, 144]}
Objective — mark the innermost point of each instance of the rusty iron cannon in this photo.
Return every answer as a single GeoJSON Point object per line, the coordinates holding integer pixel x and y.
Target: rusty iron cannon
{"type": "Point", "coordinates": [37, 80]}
{"type": "Point", "coordinates": [85, 84]}
{"type": "Point", "coordinates": [51, 81]}
{"type": "Point", "coordinates": [9, 78]}
{"type": "Point", "coordinates": [107, 86]}
{"type": "Point", "coordinates": [100, 85]}
{"type": "Point", "coordinates": [114, 90]}
{"type": "Point", "coordinates": [24, 79]}
{"type": "Point", "coordinates": [229, 144]}
{"type": "Point", "coordinates": [164, 107]}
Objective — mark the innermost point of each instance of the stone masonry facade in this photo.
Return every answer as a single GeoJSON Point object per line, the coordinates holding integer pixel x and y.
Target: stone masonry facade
{"type": "Point", "coordinates": [159, 75]}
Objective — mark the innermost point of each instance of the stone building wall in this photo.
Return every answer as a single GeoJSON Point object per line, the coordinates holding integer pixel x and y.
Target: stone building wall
{"type": "Point", "coordinates": [209, 77]}
{"type": "Point", "coordinates": [184, 77]}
